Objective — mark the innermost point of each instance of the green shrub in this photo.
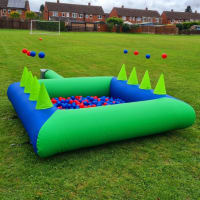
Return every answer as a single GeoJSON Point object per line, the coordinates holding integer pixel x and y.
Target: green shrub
{"type": "Point", "coordinates": [186, 25]}
{"type": "Point", "coordinates": [50, 26]}
{"type": "Point", "coordinates": [14, 14]}
{"type": "Point", "coordinates": [114, 20]}
{"type": "Point", "coordinates": [126, 28]}
{"type": "Point", "coordinates": [30, 15]}
{"type": "Point", "coordinates": [110, 27]}
{"type": "Point", "coordinates": [134, 26]}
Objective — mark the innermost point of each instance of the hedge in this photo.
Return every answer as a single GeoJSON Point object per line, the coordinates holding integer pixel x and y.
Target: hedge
{"type": "Point", "coordinates": [186, 25]}
{"type": "Point", "coordinates": [50, 26]}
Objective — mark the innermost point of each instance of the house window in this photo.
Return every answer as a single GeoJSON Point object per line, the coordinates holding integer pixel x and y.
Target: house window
{"type": "Point", "coordinates": [63, 14]}
{"type": "Point", "coordinates": [19, 11]}
{"type": "Point", "coordinates": [138, 19]}
{"type": "Point", "coordinates": [133, 18]}
{"type": "Point", "coordinates": [67, 14]}
{"type": "Point", "coordinates": [91, 16]}
{"type": "Point", "coordinates": [144, 19]}
{"type": "Point", "coordinates": [99, 16]}
{"type": "Point", "coordinates": [124, 17]}
{"type": "Point", "coordinates": [74, 15]}
{"type": "Point", "coordinates": [55, 13]}
{"type": "Point", "coordinates": [80, 15]}
{"type": "Point", "coordinates": [87, 16]}
{"type": "Point", "coordinates": [157, 20]}
{"type": "Point", "coordinates": [4, 12]}
{"type": "Point", "coordinates": [150, 19]}
{"type": "Point", "coordinates": [130, 18]}
{"type": "Point", "coordinates": [9, 11]}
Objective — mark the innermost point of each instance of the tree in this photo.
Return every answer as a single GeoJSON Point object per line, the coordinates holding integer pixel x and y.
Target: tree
{"type": "Point", "coordinates": [30, 15]}
{"type": "Point", "coordinates": [188, 9]}
{"type": "Point", "coordinates": [42, 8]}
{"type": "Point", "coordinates": [14, 14]}
{"type": "Point", "coordinates": [114, 21]}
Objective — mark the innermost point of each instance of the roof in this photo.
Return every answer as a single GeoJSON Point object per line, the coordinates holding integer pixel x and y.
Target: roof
{"type": "Point", "coordinates": [16, 3]}
{"type": "Point", "coordinates": [128, 12]}
{"type": "Point", "coordinates": [181, 15]}
{"type": "Point", "coordinates": [21, 4]}
{"type": "Point", "coordinates": [82, 9]}
{"type": "Point", "coordinates": [3, 3]}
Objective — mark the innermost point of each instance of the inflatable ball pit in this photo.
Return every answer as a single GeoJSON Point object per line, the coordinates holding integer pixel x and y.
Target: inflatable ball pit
{"type": "Point", "coordinates": [53, 131]}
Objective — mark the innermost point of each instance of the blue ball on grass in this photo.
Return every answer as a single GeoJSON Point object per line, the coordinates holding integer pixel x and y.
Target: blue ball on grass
{"type": "Point", "coordinates": [148, 56]}
{"type": "Point", "coordinates": [125, 51]}
{"type": "Point", "coordinates": [33, 54]}
{"type": "Point", "coordinates": [41, 55]}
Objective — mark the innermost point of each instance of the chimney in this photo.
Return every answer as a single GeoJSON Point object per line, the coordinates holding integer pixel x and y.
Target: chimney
{"type": "Point", "coordinates": [122, 6]}
{"type": "Point", "coordinates": [172, 10]}
{"type": "Point", "coordinates": [89, 4]}
{"type": "Point", "coordinates": [58, 1]}
{"type": "Point", "coordinates": [147, 8]}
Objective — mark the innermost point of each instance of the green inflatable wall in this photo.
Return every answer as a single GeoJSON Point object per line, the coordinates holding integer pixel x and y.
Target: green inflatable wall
{"type": "Point", "coordinates": [94, 86]}
{"type": "Point", "coordinates": [75, 129]}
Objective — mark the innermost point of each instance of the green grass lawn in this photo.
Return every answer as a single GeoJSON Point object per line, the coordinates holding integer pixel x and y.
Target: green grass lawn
{"type": "Point", "coordinates": [165, 166]}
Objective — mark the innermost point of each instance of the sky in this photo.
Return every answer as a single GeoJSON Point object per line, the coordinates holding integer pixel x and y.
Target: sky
{"type": "Point", "coordinates": [160, 5]}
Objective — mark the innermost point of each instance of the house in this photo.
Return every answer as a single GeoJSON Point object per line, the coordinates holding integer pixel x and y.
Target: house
{"type": "Point", "coordinates": [73, 12]}
{"type": "Point", "coordinates": [172, 17]}
{"type": "Point", "coordinates": [20, 6]}
{"type": "Point", "coordinates": [136, 16]}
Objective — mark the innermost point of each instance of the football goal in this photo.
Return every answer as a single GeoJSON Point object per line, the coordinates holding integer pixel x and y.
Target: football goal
{"type": "Point", "coordinates": [45, 27]}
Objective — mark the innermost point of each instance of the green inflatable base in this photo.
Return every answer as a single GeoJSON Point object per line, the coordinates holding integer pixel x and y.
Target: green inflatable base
{"type": "Point", "coordinates": [68, 130]}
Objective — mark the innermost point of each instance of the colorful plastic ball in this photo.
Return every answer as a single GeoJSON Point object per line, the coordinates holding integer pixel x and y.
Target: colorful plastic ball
{"type": "Point", "coordinates": [164, 55]}
{"type": "Point", "coordinates": [148, 56]}
{"type": "Point", "coordinates": [33, 53]}
{"type": "Point", "coordinates": [40, 39]}
{"type": "Point", "coordinates": [24, 51]}
{"type": "Point", "coordinates": [41, 55]}
{"type": "Point", "coordinates": [125, 51]}
{"type": "Point", "coordinates": [136, 53]}
{"type": "Point", "coordinates": [28, 53]}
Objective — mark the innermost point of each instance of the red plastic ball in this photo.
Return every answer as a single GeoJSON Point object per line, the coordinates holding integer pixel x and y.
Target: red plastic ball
{"type": "Point", "coordinates": [136, 53]}
{"type": "Point", "coordinates": [164, 55]}
{"type": "Point", "coordinates": [40, 39]}
{"type": "Point", "coordinates": [28, 53]}
{"type": "Point", "coordinates": [24, 51]}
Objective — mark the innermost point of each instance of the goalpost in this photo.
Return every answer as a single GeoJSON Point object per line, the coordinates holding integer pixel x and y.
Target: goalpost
{"type": "Point", "coordinates": [45, 27]}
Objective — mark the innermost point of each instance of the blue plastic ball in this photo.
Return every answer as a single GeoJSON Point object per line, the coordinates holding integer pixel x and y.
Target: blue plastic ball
{"type": "Point", "coordinates": [33, 53]}
{"type": "Point", "coordinates": [148, 56]}
{"type": "Point", "coordinates": [41, 55]}
{"type": "Point", "coordinates": [125, 51]}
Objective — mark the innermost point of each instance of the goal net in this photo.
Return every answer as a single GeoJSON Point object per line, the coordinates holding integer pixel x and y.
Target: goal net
{"type": "Point", "coordinates": [45, 27]}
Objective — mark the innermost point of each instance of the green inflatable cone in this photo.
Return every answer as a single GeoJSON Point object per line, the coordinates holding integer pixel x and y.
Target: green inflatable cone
{"type": "Point", "coordinates": [28, 83]}
{"type": "Point", "coordinates": [133, 80]}
{"type": "Point", "coordinates": [35, 88]}
{"type": "Point", "coordinates": [160, 87]}
{"type": "Point", "coordinates": [23, 78]}
{"type": "Point", "coordinates": [43, 101]}
{"type": "Point", "coordinates": [146, 83]}
{"type": "Point", "coordinates": [122, 74]}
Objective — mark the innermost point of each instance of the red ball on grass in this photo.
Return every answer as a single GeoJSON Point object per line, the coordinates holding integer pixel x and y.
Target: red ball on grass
{"type": "Point", "coordinates": [24, 51]}
{"type": "Point", "coordinates": [164, 55]}
{"type": "Point", "coordinates": [136, 53]}
{"type": "Point", "coordinates": [40, 39]}
{"type": "Point", "coordinates": [28, 53]}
